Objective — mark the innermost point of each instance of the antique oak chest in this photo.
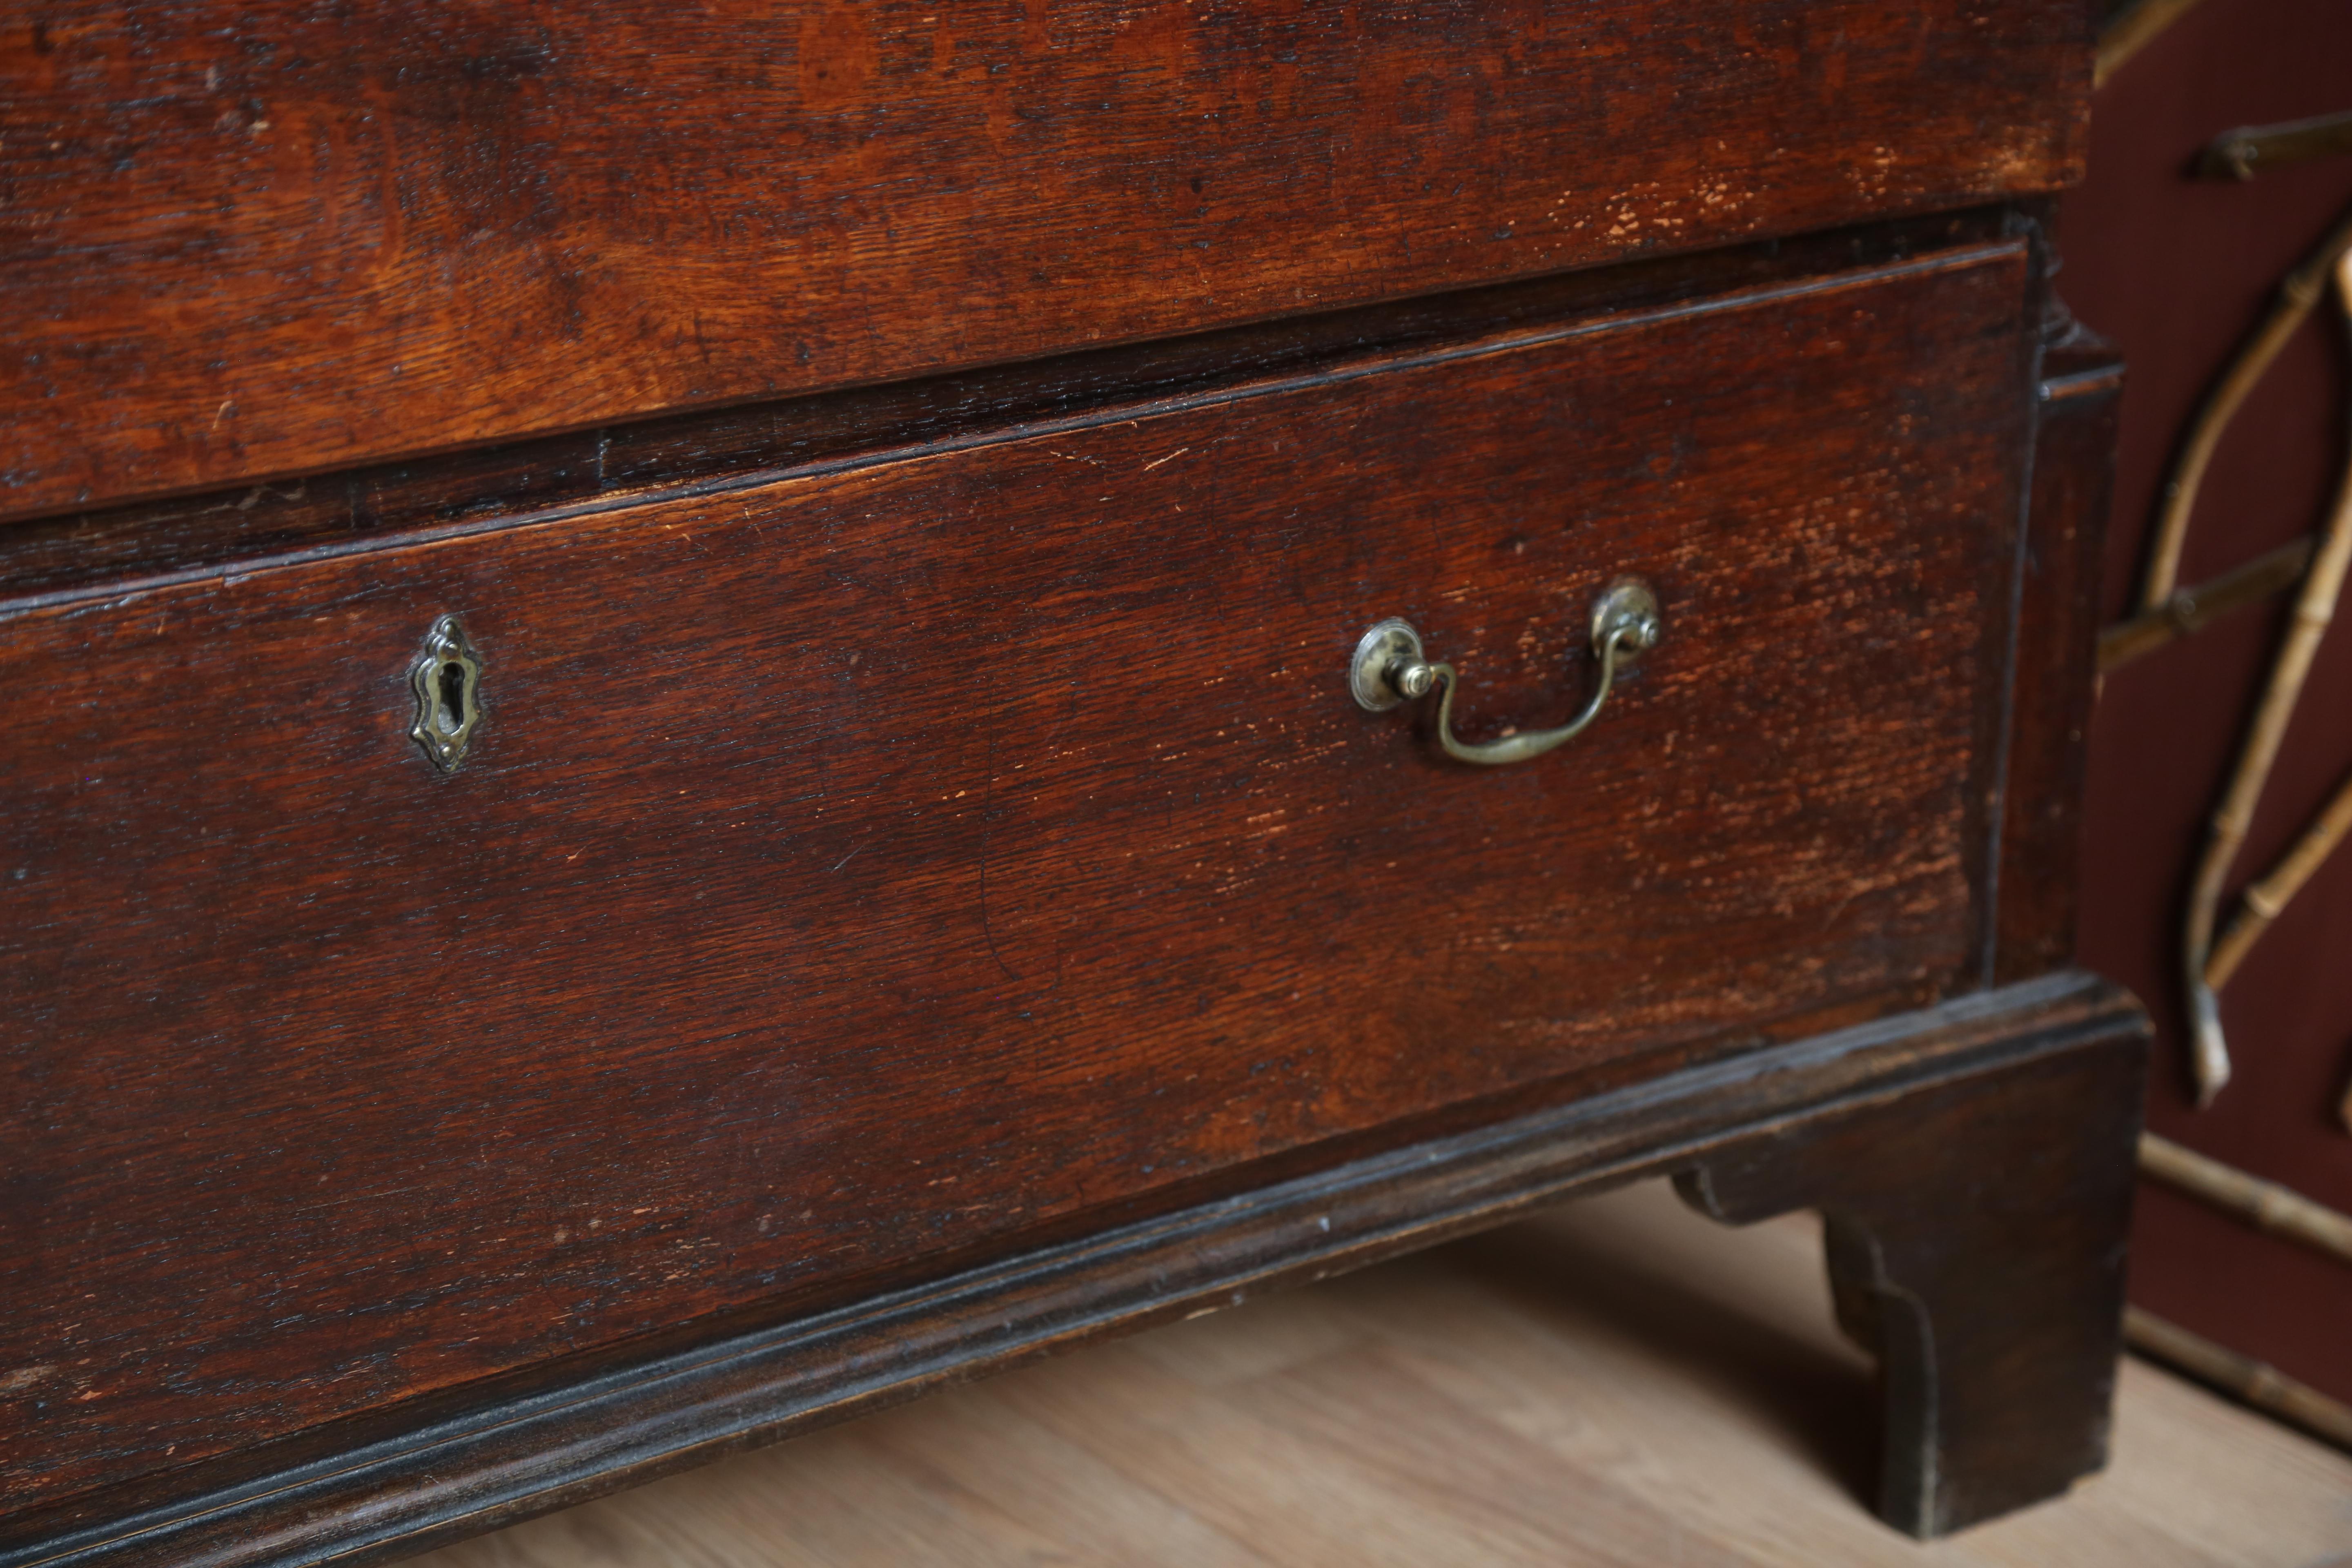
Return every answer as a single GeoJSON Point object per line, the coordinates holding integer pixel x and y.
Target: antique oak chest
{"type": "Point", "coordinates": [718, 711]}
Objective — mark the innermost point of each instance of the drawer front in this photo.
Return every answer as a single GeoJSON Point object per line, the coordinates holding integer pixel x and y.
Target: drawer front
{"type": "Point", "coordinates": [870, 868]}
{"type": "Point", "coordinates": [247, 239]}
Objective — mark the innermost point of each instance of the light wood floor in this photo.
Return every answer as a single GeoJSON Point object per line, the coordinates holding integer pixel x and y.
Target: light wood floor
{"type": "Point", "coordinates": [1619, 1382]}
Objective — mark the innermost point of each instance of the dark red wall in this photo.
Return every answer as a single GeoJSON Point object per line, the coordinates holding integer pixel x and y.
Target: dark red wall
{"type": "Point", "coordinates": [2176, 269]}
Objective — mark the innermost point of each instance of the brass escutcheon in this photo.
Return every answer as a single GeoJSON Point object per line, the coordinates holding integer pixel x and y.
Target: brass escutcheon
{"type": "Point", "coordinates": [446, 678]}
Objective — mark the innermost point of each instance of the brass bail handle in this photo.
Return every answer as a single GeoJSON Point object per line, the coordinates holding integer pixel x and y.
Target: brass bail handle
{"type": "Point", "coordinates": [1390, 668]}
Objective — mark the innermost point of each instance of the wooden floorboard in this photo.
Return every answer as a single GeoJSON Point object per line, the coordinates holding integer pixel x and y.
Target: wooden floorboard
{"type": "Point", "coordinates": [1621, 1382]}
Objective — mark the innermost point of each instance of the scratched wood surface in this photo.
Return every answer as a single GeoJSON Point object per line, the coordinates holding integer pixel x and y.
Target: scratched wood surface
{"type": "Point", "coordinates": [213, 531]}
{"type": "Point", "coordinates": [875, 868]}
{"type": "Point", "coordinates": [1618, 1384]}
{"type": "Point", "coordinates": [246, 239]}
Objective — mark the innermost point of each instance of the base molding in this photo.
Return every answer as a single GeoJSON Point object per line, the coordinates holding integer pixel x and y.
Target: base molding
{"type": "Point", "coordinates": [1923, 1137]}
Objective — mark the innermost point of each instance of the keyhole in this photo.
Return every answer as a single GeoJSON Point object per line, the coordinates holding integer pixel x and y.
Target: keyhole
{"type": "Point", "coordinates": [452, 697]}
{"type": "Point", "coordinates": [444, 680]}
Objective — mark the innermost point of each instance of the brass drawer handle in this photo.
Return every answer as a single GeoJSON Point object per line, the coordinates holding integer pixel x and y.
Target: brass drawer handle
{"type": "Point", "coordinates": [1390, 668]}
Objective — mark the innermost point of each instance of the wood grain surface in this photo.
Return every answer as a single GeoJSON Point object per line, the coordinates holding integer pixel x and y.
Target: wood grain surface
{"type": "Point", "coordinates": [1989, 1070]}
{"type": "Point", "coordinates": [245, 240]}
{"type": "Point", "coordinates": [878, 867]}
{"type": "Point", "coordinates": [179, 538]}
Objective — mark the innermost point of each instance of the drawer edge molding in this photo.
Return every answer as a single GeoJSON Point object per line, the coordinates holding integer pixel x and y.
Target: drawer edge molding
{"type": "Point", "coordinates": [348, 500]}
{"type": "Point", "coordinates": [1607, 321]}
{"type": "Point", "coordinates": [1785, 1109]}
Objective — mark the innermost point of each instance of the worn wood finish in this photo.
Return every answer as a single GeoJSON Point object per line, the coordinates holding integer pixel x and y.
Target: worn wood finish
{"type": "Point", "coordinates": [885, 864]}
{"type": "Point", "coordinates": [148, 543]}
{"type": "Point", "coordinates": [1975, 1238]}
{"type": "Point", "coordinates": [2057, 646]}
{"type": "Point", "coordinates": [2016, 1074]}
{"type": "Point", "coordinates": [249, 240]}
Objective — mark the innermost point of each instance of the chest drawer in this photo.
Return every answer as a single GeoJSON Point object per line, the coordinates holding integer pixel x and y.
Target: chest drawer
{"type": "Point", "coordinates": [861, 868]}
{"type": "Point", "coordinates": [251, 239]}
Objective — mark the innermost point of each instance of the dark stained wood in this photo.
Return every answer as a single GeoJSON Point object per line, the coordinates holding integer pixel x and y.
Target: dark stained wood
{"type": "Point", "coordinates": [894, 862]}
{"type": "Point", "coordinates": [152, 542]}
{"type": "Point", "coordinates": [1975, 1241]}
{"type": "Point", "coordinates": [2057, 640]}
{"type": "Point", "coordinates": [248, 241]}
{"type": "Point", "coordinates": [1993, 1072]}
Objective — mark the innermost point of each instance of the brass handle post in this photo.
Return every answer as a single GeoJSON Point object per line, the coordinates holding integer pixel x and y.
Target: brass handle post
{"type": "Point", "coordinates": [1391, 666]}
